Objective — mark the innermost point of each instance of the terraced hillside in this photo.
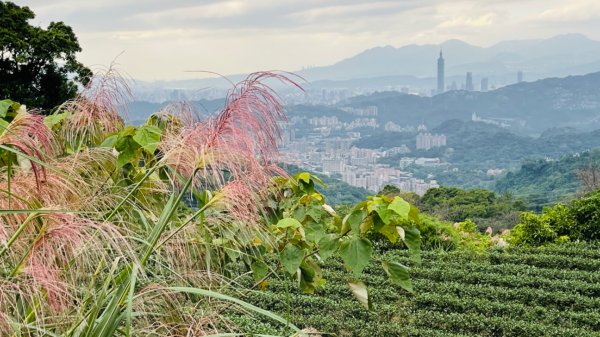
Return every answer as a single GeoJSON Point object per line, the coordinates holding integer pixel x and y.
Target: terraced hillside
{"type": "Point", "coordinates": [551, 291]}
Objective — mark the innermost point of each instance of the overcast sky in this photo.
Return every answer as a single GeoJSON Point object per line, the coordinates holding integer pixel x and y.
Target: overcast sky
{"type": "Point", "coordinates": [163, 38]}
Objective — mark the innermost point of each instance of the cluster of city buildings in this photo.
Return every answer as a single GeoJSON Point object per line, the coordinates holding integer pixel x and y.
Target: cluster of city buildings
{"type": "Point", "coordinates": [426, 141]}
{"type": "Point", "coordinates": [467, 85]}
{"type": "Point", "coordinates": [336, 156]}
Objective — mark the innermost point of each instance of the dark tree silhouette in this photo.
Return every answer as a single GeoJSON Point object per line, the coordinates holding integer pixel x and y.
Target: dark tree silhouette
{"type": "Point", "coordinates": [37, 66]}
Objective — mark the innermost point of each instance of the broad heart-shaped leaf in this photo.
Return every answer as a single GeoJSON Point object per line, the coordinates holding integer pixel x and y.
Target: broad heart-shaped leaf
{"type": "Point", "coordinates": [128, 152]}
{"type": "Point", "coordinates": [52, 120]}
{"type": "Point", "coordinates": [412, 239]}
{"type": "Point", "coordinates": [328, 245]}
{"type": "Point", "coordinates": [311, 276]}
{"type": "Point", "coordinates": [259, 269]}
{"type": "Point", "coordinates": [304, 176]}
{"type": "Point", "coordinates": [148, 137]}
{"type": "Point", "coordinates": [398, 274]}
{"type": "Point", "coordinates": [5, 104]}
{"type": "Point", "coordinates": [291, 257]}
{"type": "Point", "coordinates": [390, 232]}
{"type": "Point", "coordinates": [354, 219]}
{"type": "Point", "coordinates": [109, 141]}
{"type": "Point", "coordinates": [401, 207]}
{"type": "Point", "coordinates": [356, 253]}
{"type": "Point", "coordinates": [413, 215]}
{"type": "Point", "coordinates": [289, 222]}
{"type": "Point", "coordinates": [359, 290]}
{"type": "Point", "coordinates": [314, 231]}
{"type": "Point", "coordinates": [384, 214]}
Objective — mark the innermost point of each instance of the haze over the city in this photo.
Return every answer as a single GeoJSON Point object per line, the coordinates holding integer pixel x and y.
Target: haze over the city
{"type": "Point", "coordinates": [161, 40]}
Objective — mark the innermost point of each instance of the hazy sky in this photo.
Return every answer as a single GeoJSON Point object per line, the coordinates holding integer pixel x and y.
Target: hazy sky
{"type": "Point", "coordinates": [161, 39]}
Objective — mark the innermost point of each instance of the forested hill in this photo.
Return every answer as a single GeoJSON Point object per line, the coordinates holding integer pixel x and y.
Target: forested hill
{"type": "Point", "coordinates": [541, 182]}
{"type": "Point", "coordinates": [475, 144]}
{"type": "Point", "coordinates": [532, 107]}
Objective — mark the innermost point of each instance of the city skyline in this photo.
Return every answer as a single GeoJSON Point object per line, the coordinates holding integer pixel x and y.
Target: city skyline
{"type": "Point", "coordinates": [161, 40]}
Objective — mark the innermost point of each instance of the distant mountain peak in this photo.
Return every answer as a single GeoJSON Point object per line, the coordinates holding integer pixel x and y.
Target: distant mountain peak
{"type": "Point", "coordinates": [560, 55]}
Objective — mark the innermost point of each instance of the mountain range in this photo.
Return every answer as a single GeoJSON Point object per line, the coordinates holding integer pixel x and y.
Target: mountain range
{"type": "Point", "coordinates": [415, 65]}
{"type": "Point", "coordinates": [528, 107]}
{"type": "Point", "coordinates": [561, 55]}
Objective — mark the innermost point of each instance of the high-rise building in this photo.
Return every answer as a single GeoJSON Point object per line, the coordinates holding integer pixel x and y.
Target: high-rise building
{"type": "Point", "coordinates": [426, 141]}
{"type": "Point", "coordinates": [484, 84]}
{"type": "Point", "coordinates": [519, 76]}
{"type": "Point", "coordinates": [469, 84]}
{"type": "Point", "coordinates": [440, 74]}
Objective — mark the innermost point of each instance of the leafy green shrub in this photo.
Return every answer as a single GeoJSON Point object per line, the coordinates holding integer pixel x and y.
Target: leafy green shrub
{"type": "Point", "coordinates": [560, 218]}
{"type": "Point", "coordinates": [436, 234]}
{"type": "Point", "coordinates": [586, 212]}
{"type": "Point", "coordinates": [533, 230]}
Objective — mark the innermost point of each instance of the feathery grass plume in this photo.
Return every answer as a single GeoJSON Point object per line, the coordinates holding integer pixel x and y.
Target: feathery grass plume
{"type": "Point", "coordinates": [60, 252]}
{"type": "Point", "coordinates": [94, 112]}
{"type": "Point", "coordinates": [174, 116]}
{"type": "Point", "coordinates": [28, 133]}
{"type": "Point", "coordinates": [242, 138]}
{"type": "Point", "coordinates": [78, 182]}
{"type": "Point", "coordinates": [234, 154]}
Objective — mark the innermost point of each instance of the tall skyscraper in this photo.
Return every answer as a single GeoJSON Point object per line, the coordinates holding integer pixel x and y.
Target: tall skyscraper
{"type": "Point", "coordinates": [469, 84]}
{"type": "Point", "coordinates": [519, 76]}
{"type": "Point", "coordinates": [484, 84]}
{"type": "Point", "coordinates": [440, 74]}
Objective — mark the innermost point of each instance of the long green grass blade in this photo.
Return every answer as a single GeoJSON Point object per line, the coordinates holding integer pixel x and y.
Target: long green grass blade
{"type": "Point", "coordinates": [246, 305]}
{"type": "Point", "coordinates": [33, 159]}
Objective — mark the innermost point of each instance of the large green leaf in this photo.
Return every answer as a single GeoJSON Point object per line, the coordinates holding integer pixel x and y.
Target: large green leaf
{"type": "Point", "coordinates": [328, 245]}
{"type": "Point", "coordinates": [390, 232]}
{"type": "Point", "coordinates": [5, 104]}
{"type": "Point", "coordinates": [52, 120]}
{"type": "Point", "coordinates": [398, 274]}
{"type": "Point", "coordinates": [359, 290]}
{"type": "Point", "coordinates": [128, 150]}
{"type": "Point", "coordinates": [310, 276]}
{"type": "Point", "coordinates": [354, 219]}
{"type": "Point", "coordinates": [401, 207]}
{"type": "Point", "coordinates": [289, 223]}
{"type": "Point", "coordinates": [291, 258]}
{"type": "Point", "coordinates": [148, 137]}
{"type": "Point", "coordinates": [356, 253]}
{"type": "Point", "coordinates": [314, 231]}
{"type": "Point", "coordinates": [381, 208]}
{"type": "Point", "coordinates": [304, 176]}
{"type": "Point", "coordinates": [412, 238]}
{"type": "Point", "coordinates": [110, 141]}
{"type": "Point", "coordinates": [259, 269]}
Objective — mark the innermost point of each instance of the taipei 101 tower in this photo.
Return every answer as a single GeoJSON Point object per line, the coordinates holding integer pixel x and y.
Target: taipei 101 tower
{"type": "Point", "coordinates": [440, 74]}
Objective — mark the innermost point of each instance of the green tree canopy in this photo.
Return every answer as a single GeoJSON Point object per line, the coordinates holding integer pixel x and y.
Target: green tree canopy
{"type": "Point", "coordinates": [37, 66]}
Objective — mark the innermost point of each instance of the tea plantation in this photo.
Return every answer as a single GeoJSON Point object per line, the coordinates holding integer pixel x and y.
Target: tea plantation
{"type": "Point", "coordinates": [548, 291]}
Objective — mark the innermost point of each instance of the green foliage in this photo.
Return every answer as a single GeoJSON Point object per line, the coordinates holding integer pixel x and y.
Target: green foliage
{"type": "Point", "coordinates": [533, 230]}
{"type": "Point", "coordinates": [577, 221]}
{"type": "Point", "coordinates": [483, 207]}
{"type": "Point", "coordinates": [586, 212]}
{"type": "Point", "coordinates": [542, 182]}
{"type": "Point", "coordinates": [38, 66]}
{"type": "Point", "coordinates": [436, 234]}
{"type": "Point", "coordinates": [310, 231]}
